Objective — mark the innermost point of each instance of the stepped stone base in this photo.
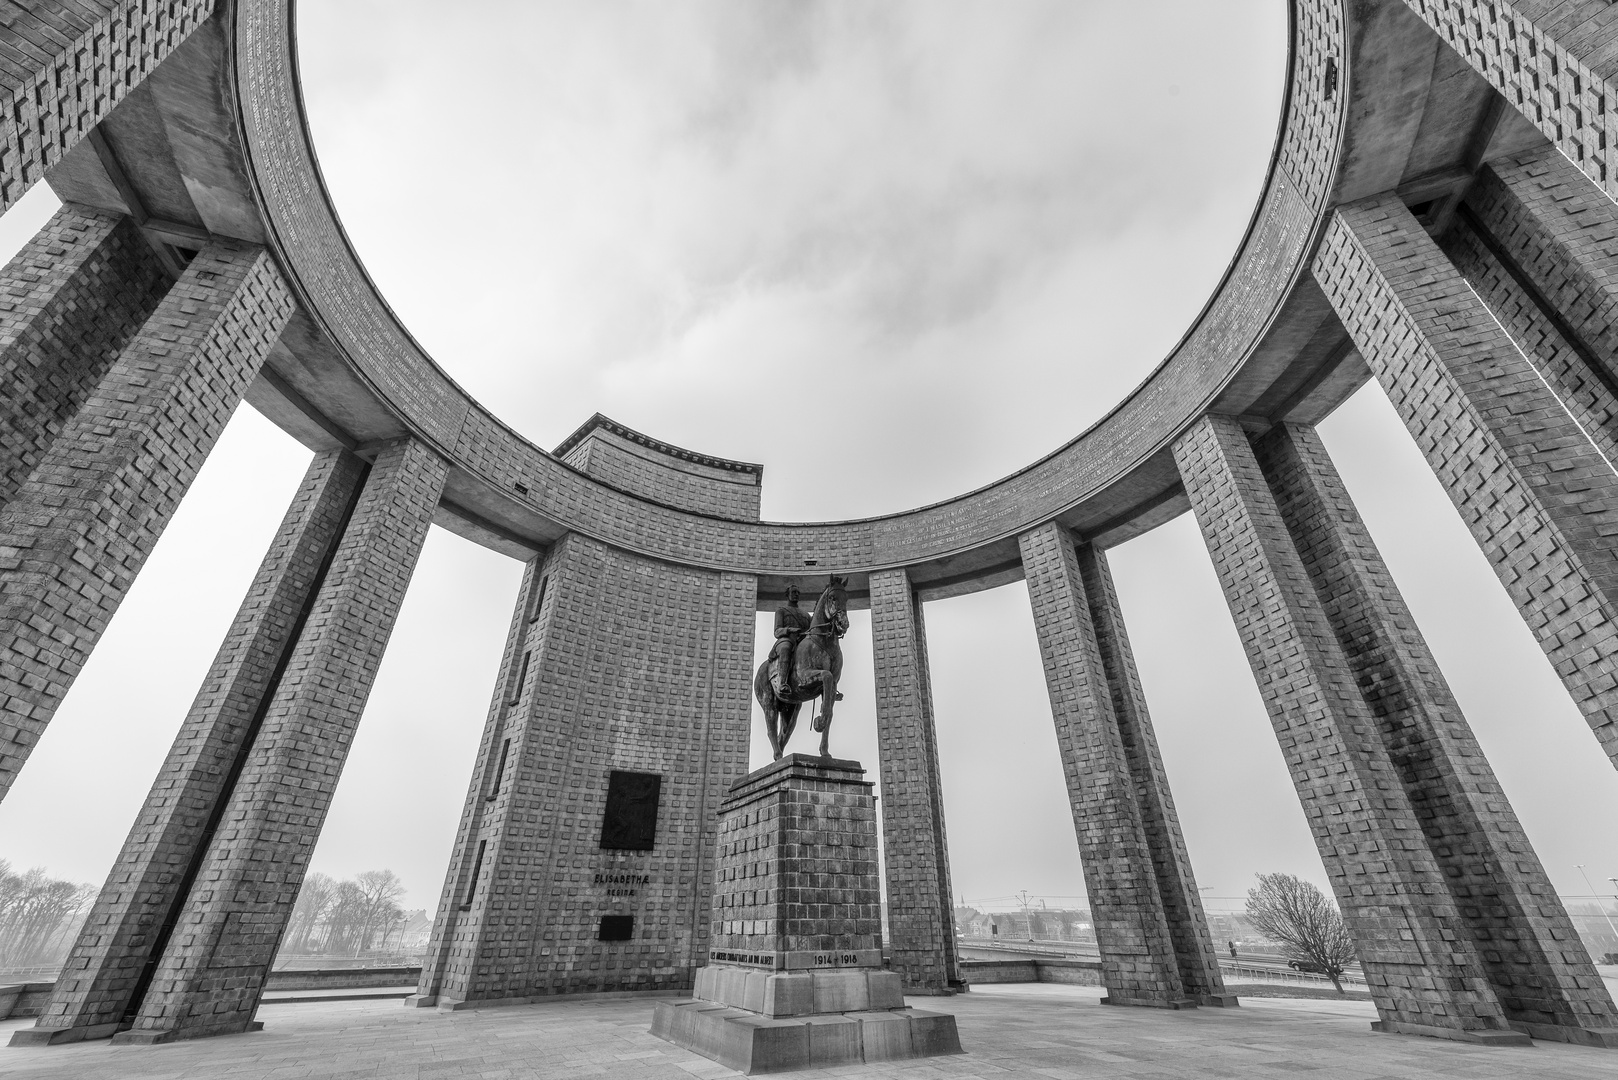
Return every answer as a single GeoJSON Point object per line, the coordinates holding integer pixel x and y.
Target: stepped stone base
{"type": "Point", "coordinates": [753, 1043]}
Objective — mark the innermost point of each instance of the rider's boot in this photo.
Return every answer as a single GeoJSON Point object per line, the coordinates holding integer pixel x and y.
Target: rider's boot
{"type": "Point", "coordinates": [778, 678]}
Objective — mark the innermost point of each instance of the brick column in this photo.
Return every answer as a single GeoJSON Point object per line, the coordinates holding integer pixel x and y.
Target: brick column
{"type": "Point", "coordinates": [69, 302]}
{"type": "Point", "coordinates": [921, 919]}
{"type": "Point", "coordinates": [65, 67]}
{"type": "Point", "coordinates": [210, 976]}
{"type": "Point", "coordinates": [1150, 926]}
{"type": "Point", "coordinates": [1530, 950]}
{"type": "Point", "coordinates": [1424, 973]}
{"type": "Point", "coordinates": [1539, 498]}
{"type": "Point", "coordinates": [104, 976]}
{"type": "Point", "coordinates": [616, 663]}
{"type": "Point", "coordinates": [76, 533]}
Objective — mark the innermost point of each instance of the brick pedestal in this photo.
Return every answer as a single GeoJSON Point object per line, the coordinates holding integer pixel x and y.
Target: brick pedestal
{"type": "Point", "coordinates": [795, 978]}
{"type": "Point", "coordinates": [1150, 927]}
{"type": "Point", "coordinates": [921, 920]}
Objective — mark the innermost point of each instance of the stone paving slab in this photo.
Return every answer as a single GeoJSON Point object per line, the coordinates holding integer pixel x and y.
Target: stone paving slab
{"type": "Point", "coordinates": [1011, 1032]}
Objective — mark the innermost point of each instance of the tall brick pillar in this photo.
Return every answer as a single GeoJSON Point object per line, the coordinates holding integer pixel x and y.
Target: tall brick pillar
{"type": "Point", "coordinates": [616, 666]}
{"type": "Point", "coordinates": [921, 918]}
{"type": "Point", "coordinates": [69, 302]}
{"type": "Point", "coordinates": [1150, 926]}
{"type": "Point", "coordinates": [1529, 947]}
{"type": "Point", "coordinates": [1424, 972]}
{"type": "Point", "coordinates": [1539, 498]}
{"type": "Point", "coordinates": [76, 532]}
{"type": "Point", "coordinates": [119, 946]}
{"type": "Point", "coordinates": [211, 974]}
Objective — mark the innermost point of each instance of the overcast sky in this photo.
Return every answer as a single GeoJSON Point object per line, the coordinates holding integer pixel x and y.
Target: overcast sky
{"type": "Point", "coordinates": [971, 226]}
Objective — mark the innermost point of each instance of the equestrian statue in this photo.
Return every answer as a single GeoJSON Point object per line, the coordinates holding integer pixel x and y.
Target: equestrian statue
{"type": "Point", "coordinates": [805, 663]}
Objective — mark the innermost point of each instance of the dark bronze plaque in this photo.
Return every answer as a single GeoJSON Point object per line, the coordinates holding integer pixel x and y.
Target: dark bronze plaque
{"type": "Point", "coordinates": [616, 928]}
{"type": "Point", "coordinates": [630, 823]}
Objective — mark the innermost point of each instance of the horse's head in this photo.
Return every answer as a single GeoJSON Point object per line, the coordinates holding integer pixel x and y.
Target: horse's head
{"type": "Point", "coordinates": [832, 607]}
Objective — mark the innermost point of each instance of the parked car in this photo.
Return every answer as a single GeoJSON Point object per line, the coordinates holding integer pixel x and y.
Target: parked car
{"type": "Point", "coordinates": [1308, 967]}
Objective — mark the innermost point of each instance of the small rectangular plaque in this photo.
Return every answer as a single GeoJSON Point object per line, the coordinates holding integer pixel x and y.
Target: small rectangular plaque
{"type": "Point", "coordinates": [630, 823]}
{"type": "Point", "coordinates": [616, 928]}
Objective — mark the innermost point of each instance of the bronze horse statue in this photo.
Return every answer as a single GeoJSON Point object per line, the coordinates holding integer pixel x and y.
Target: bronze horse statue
{"type": "Point", "coordinates": [817, 664]}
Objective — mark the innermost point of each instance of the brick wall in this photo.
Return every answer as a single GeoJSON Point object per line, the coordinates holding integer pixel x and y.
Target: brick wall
{"type": "Point", "coordinates": [69, 302]}
{"type": "Point", "coordinates": [76, 533]}
{"type": "Point", "coordinates": [1423, 972]}
{"type": "Point", "coordinates": [643, 466]}
{"type": "Point", "coordinates": [921, 923]}
{"type": "Point", "coordinates": [1540, 500]}
{"type": "Point", "coordinates": [627, 664]}
{"type": "Point", "coordinates": [129, 925]}
{"type": "Point", "coordinates": [212, 973]}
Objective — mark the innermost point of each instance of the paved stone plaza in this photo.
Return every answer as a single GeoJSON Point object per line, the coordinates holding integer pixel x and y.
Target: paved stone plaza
{"type": "Point", "coordinates": [1045, 1031]}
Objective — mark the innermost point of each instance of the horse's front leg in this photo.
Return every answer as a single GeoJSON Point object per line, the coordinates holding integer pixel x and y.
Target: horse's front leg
{"type": "Point", "coordinates": [789, 720]}
{"type": "Point", "coordinates": [772, 729]}
{"type": "Point", "coordinates": [828, 696]}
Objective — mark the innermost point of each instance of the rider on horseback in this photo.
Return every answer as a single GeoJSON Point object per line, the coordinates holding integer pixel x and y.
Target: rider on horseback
{"type": "Point", "coordinates": [791, 622]}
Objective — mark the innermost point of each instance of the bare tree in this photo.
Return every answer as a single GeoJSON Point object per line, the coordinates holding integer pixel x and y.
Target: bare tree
{"type": "Point", "coordinates": [309, 913]}
{"type": "Point", "coordinates": [1304, 920]}
{"type": "Point", "coordinates": [37, 914]}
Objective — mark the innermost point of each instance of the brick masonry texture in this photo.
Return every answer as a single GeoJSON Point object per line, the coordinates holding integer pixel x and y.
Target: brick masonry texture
{"type": "Point", "coordinates": [1138, 959]}
{"type": "Point", "coordinates": [1537, 243]}
{"type": "Point", "coordinates": [172, 831]}
{"type": "Point", "coordinates": [617, 662]}
{"type": "Point", "coordinates": [69, 301]}
{"type": "Point", "coordinates": [74, 536]}
{"type": "Point", "coordinates": [668, 479]}
{"type": "Point", "coordinates": [1538, 497]}
{"type": "Point", "coordinates": [1423, 971]}
{"type": "Point", "coordinates": [1553, 60]}
{"type": "Point", "coordinates": [212, 973]}
{"type": "Point", "coordinates": [921, 923]}
{"type": "Point", "coordinates": [1530, 950]}
{"type": "Point", "coordinates": [1150, 926]}
{"type": "Point", "coordinates": [798, 869]}
{"type": "Point", "coordinates": [63, 67]}
{"type": "Point", "coordinates": [1554, 355]}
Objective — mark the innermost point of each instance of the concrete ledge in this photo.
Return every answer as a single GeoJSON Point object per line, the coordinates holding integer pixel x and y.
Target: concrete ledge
{"type": "Point", "coordinates": [1482, 1038]}
{"type": "Point", "coordinates": [449, 1004]}
{"type": "Point", "coordinates": [754, 1044]}
{"type": "Point", "coordinates": [149, 1037]}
